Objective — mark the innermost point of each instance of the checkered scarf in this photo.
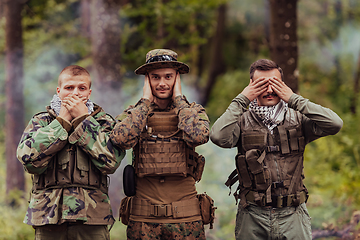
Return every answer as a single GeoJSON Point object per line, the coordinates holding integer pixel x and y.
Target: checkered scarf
{"type": "Point", "coordinates": [55, 104]}
{"type": "Point", "coordinates": [270, 115]}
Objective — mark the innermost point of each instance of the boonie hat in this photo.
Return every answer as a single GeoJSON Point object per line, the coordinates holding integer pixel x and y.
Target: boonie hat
{"type": "Point", "coordinates": [162, 58]}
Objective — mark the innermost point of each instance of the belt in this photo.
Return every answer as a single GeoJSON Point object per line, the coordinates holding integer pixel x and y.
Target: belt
{"type": "Point", "coordinates": [179, 209]}
{"type": "Point", "coordinates": [279, 201]}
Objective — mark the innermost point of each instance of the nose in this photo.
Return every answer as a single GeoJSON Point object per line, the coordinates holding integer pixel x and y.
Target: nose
{"type": "Point", "coordinates": [76, 91]}
{"type": "Point", "coordinates": [269, 89]}
{"type": "Point", "coordinates": [162, 82]}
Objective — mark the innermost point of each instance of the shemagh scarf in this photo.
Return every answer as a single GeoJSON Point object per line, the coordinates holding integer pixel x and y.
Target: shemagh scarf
{"type": "Point", "coordinates": [55, 104]}
{"type": "Point", "coordinates": [271, 116]}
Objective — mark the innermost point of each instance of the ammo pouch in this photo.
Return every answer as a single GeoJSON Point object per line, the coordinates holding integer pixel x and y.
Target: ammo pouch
{"type": "Point", "coordinates": [207, 209]}
{"type": "Point", "coordinates": [124, 211]}
{"type": "Point", "coordinates": [129, 181]}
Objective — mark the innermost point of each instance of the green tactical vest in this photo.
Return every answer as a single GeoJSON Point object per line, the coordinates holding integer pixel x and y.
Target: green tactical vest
{"type": "Point", "coordinates": [269, 164]}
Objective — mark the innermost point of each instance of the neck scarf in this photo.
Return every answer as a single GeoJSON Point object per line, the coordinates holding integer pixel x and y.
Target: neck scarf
{"type": "Point", "coordinates": [271, 116]}
{"type": "Point", "coordinates": [55, 104]}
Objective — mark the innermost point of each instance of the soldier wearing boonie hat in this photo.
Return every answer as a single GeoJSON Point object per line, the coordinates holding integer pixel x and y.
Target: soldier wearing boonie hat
{"type": "Point", "coordinates": [163, 129]}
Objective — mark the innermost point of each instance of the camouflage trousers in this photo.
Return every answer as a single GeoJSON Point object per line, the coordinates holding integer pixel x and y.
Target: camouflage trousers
{"type": "Point", "coordinates": [72, 232]}
{"type": "Point", "coordinates": [165, 231]}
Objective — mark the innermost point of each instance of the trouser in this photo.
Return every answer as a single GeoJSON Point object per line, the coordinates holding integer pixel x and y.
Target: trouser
{"type": "Point", "coordinates": [68, 231]}
{"type": "Point", "coordinates": [267, 223]}
{"type": "Point", "coordinates": [165, 231]}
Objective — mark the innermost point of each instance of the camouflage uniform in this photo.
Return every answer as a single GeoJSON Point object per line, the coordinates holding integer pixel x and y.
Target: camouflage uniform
{"type": "Point", "coordinates": [42, 141]}
{"type": "Point", "coordinates": [194, 124]}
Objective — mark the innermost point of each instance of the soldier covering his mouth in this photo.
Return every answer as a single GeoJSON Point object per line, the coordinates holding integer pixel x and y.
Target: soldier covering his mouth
{"type": "Point", "coordinates": [68, 151]}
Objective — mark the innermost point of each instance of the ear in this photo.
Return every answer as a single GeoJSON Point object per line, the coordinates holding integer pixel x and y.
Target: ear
{"type": "Point", "coordinates": [58, 90]}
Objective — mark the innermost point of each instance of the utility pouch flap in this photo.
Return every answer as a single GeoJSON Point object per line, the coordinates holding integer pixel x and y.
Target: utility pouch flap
{"type": "Point", "coordinates": [82, 160]}
{"type": "Point", "coordinates": [124, 210]}
{"type": "Point", "coordinates": [199, 168]}
{"type": "Point", "coordinates": [284, 143]}
{"type": "Point", "coordinates": [63, 157]}
{"type": "Point", "coordinates": [48, 178]}
{"type": "Point", "coordinates": [242, 170]}
{"type": "Point", "coordinates": [252, 158]}
{"type": "Point", "coordinates": [253, 140]}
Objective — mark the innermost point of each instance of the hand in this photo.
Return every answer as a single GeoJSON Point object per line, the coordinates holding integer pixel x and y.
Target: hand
{"type": "Point", "coordinates": [147, 92]}
{"type": "Point", "coordinates": [177, 87]}
{"type": "Point", "coordinates": [255, 88]}
{"type": "Point", "coordinates": [281, 89]}
{"type": "Point", "coordinates": [75, 105]}
{"type": "Point", "coordinates": [64, 113]}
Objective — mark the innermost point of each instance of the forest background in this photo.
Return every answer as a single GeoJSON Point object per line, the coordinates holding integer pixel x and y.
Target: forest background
{"type": "Point", "coordinates": [317, 43]}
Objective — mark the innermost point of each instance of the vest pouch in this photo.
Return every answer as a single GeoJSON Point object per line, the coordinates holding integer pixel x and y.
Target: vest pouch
{"type": "Point", "coordinates": [207, 209]}
{"type": "Point", "coordinates": [81, 176]}
{"type": "Point", "coordinates": [255, 159]}
{"type": "Point", "coordinates": [253, 140]}
{"type": "Point", "coordinates": [104, 184]}
{"type": "Point", "coordinates": [124, 210]}
{"type": "Point", "coordinates": [48, 178]}
{"type": "Point", "coordinates": [199, 168]}
{"type": "Point", "coordinates": [94, 176]}
{"type": "Point", "coordinates": [63, 169]}
{"type": "Point", "coordinates": [243, 173]}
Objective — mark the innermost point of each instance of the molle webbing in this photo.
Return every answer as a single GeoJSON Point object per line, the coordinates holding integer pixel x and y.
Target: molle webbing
{"type": "Point", "coordinates": [163, 122]}
{"type": "Point", "coordinates": [180, 209]}
{"type": "Point", "coordinates": [164, 153]}
{"type": "Point", "coordinates": [71, 167]}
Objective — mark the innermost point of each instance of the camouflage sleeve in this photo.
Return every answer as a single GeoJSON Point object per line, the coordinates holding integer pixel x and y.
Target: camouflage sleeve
{"type": "Point", "coordinates": [193, 121]}
{"type": "Point", "coordinates": [127, 131]}
{"type": "Point", "coordinates": [93, 136]}
{"type": "Point", "coordinates": [42, 138]}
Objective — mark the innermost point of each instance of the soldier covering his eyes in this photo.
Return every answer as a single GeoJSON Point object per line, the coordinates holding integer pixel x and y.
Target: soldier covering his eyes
{"type": "Point", "coordinates": [270, 126]}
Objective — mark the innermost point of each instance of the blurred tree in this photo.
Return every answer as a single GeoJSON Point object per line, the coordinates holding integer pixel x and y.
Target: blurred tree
{"type": "Point", "coordinates": [14, 92]}
{"type": "Point", "coordinates": [217, 66]}
{"type": "Point", "coordinates": [355, 96]}
{"type": "Point", "coordinates": [283, 39]}
{"type": "Point", "coordinates": [105, 32]}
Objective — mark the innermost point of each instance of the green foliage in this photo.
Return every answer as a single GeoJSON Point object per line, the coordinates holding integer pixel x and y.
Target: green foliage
{"type": "Point", "coordinates": [174, 24]}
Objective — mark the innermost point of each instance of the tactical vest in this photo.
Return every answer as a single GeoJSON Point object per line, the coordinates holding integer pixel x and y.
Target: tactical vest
{"type": "Point", "coordinates": [162, 151]}
{"type": "Point", "coordinates": [269, 165]}
{"type": "Point", "coordinates": [71, 167]}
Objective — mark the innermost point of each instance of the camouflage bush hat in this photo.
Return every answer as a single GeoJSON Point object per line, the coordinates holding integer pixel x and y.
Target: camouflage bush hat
{"type": "Point", "coordinates": [162, 58]}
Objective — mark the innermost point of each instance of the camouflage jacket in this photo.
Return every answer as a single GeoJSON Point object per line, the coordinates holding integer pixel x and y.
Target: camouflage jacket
{"type": "Point", "coordinates": [42, 141]}
{"type": "Point", "coordinates": [193, 122]}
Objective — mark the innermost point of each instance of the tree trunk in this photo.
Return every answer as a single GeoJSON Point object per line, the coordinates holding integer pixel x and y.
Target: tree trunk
{"type": "Point", "coordinates": [217, 66]}
{"type": "Point", "coordinates": [355, 98]}
{"type": "Point", "coordinates": [85, 17]}
{"type": "Point", "coordinates": [283, 39]}
{"type": "Point", "coordinates": [14, 93]}
{"type": "Point", "coordinates": [105, 41]}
